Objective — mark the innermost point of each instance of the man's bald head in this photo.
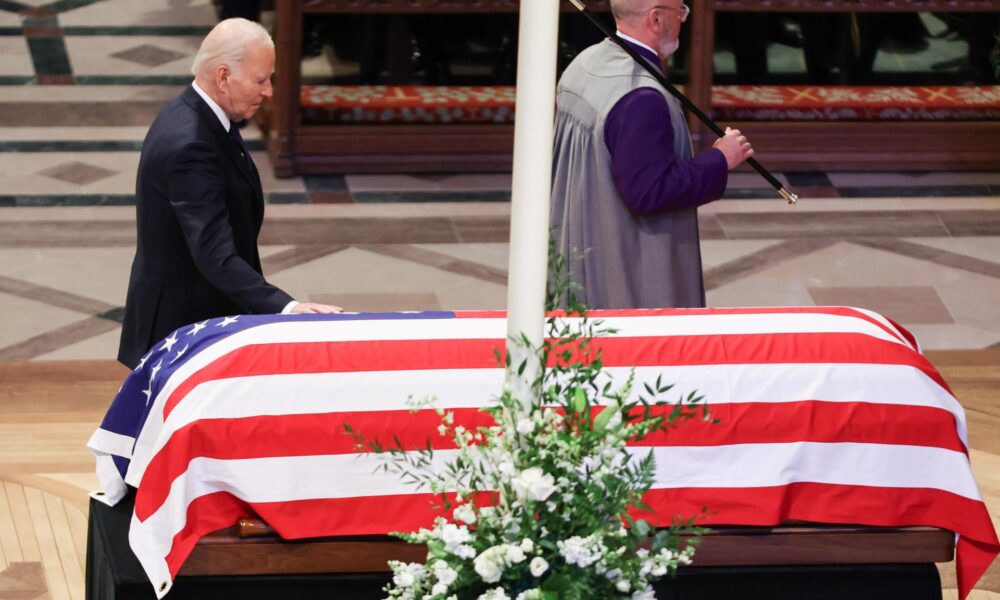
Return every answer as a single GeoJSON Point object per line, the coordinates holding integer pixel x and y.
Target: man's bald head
{"type": "Point", "coordinates": [629, 10]}
{"type": "Point", "coordinates": [227, 44]}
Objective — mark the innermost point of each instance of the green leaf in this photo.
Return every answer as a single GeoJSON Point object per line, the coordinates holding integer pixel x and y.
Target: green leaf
{"type": "Point", "coordinates": [580, 402]}
{"type": "Point", "coordinates": [557, 583]}
{"type": "Point", "coordinates": [602, 420]}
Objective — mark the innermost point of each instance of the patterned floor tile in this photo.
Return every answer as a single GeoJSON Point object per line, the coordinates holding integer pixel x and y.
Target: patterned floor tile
{"type": "Point", "coordinates": [494, 255]}
{"type": "Point", "coordinates": [953, 337]}
{"type": "Point", "coordinates": [921, 179]}
{"type": "Point", "coordinates": [72, 270]}
{"type": "Point", "coordinates": [130, 55]}
{"type": "Point", "coordinates": [910, 304]}
{"type": "Point", "coordinates": [27, 174]}
{"type": "Point", "coordinates": [9, 19]}
{"type": "Point", "coordinates": [159, 94]}
{"type": "Point", "coordinates": [849, 265]}
{"type": "Point", "coordinates": [103, 345]}
{"type": "Point", "coordinates": [373, 184]}
{"type": "Point", "coordinates": [76, 172]}
{"type": "Point", "coordinates": [15, 58]}
{"type": "Point", "coordinates": [16, 327]}
{"type": "Point", "coordinates": [356, 271]}
{"type": "Point", "coordinates": [811, 224]}
{"type": "Point", "coordinates": [980, 248]}
{"type": "Point", "coordinates": [148, 55]}
{"type": "Point", "coordinates": [717, 252]}
{"type": "Point", "coordinates": [120, 13]}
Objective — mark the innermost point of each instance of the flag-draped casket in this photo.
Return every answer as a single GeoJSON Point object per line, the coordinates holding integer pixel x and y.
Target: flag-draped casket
{"type": "Point", "coordinates": [826, 414]}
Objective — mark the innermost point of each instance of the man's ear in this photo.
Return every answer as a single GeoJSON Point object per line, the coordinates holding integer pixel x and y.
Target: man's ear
{"type": "Point", "coordinates": [222, 76]}
{"type": "Point", "coordinates": [654, 21]}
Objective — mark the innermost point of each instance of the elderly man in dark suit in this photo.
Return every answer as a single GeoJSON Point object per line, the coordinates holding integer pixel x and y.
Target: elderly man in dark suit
{"type": "Point", "coordinates": [199, 203]}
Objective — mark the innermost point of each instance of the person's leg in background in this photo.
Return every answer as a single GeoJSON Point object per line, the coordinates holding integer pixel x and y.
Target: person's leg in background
{"type": "Point", "coordinates": [247, 9]}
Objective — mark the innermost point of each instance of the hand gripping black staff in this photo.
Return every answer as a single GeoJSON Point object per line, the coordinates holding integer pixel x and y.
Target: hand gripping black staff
{"type": "Point", "coordinates": [787, 194]}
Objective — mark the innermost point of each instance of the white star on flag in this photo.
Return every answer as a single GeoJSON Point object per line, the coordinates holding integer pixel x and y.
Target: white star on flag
{"type": "Point", "coordinates": [168, 344]}
{"type": "Point", "coordinates": [156, 368]}
{"type": "Point", "coordinates": [198, 327]}
{"type": "Point", "coordinates": [228, 321]}
{"type": "Point", "coordinates": [179, 354]}
{"type": "Point", "coordinates": [142, 361]}
{"type": "Point", "coordinates": [149, 393]}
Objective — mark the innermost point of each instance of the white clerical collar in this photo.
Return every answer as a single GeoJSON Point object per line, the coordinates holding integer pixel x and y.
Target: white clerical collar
{"type": "Point", "coordinates": [629, 38]}
{"type": "Point", "coordinates": [223, 117]}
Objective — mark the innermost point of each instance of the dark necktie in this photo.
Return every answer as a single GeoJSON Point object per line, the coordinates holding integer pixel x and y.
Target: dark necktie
{"type": "Point", "coordinates": [234, 132]}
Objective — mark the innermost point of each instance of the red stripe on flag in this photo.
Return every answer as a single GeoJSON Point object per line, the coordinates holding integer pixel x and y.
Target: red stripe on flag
{"type": "Point", "coordinates": [205, 514]}
{"type": "Point", "coordinates": [827, 503]}
{"type": "Point", "coordinates": [811, 502]}
{"type": "Point", "coordinates": [354, 356]}
{"type": "Point", "coordinates": [745, 423]}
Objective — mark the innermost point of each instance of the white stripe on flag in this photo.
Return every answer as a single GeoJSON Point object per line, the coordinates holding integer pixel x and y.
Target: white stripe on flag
{"type": "Point", "coordinates": [472, 388]}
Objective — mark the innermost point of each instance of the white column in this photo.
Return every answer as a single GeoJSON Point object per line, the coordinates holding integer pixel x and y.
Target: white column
{"type": "Point", "coordinates": [531, 187]}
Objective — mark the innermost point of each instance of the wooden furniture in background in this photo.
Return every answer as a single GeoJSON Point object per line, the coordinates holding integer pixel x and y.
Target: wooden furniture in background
{"type": "Point", "coordinates": [297, 147]}
{"type": "Point", "coordinates": [843, 145]}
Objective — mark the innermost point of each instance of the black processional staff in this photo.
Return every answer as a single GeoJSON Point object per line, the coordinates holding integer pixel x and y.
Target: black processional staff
{"type": "Point", "coordinates": [787, 194]}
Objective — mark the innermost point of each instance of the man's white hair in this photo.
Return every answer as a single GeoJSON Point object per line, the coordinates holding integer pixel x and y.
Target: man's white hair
{"type": "Point", "coordinates": [227, 44]}
{"type": "Point", "coordinates": [625, 10]}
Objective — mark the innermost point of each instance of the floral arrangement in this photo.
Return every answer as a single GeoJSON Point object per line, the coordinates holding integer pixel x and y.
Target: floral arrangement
{"type": "Point", "coordinates": [543, 502]}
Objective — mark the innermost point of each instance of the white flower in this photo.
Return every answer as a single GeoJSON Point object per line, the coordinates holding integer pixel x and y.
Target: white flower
{"type": "Point", "coordinates": [444, 574]}
{"type": "Point", "coordinates": [506, 469]}
{"type": "Point", "coordinates": [454, 536]}
{"type": "Point", "coordinates": [532, 594]}
{"type": "Point", "coordinates": [403, 579]}
{"type": "Point", "coordinates": [490, 563]}
{"type": "Point", "coordinates": [538, 566]}
{"type": "Point", "coordinates": [494, 594]}
{"type": "Point", "coordinates": [580, 551]}
{"type": "Point", "coordinates": [465, 551]}
{"type": "Point", "coordinates": [514, 555]}
{"type": "Point", "coordinates": [465, 514]}
{"type": "Point", "coordinates": [438, 589]}
{"type": "Point", "coordinates": [533, 484]}
{"type": "Point", "coordinates": [527, 545]}
{"type": "Point", "coordinates": [644, 594]}
{"type": "Point", "coordinates": [623, 585]}
{"type": "Point", "coordinates": [525, 426]}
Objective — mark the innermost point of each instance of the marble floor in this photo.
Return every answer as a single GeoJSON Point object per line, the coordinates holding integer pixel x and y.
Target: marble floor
{"type": "Point", "coordinates": [80, 80]}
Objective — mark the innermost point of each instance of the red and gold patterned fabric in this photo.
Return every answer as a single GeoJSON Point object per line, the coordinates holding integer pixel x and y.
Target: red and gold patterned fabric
{"type": "Point", "coordinates": [495, 104]}
{"type": "Point", "coordinates": [855, 103]}
{"type": "Point", "coordinates": [407, 104]}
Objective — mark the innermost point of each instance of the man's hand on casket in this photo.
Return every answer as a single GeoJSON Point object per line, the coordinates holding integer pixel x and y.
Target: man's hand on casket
{"type": "Point", "coordinates": [313, 308]}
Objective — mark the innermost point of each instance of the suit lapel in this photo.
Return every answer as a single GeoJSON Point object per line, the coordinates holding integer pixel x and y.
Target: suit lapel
{"type": "Point", "coordinates": [232, 149]}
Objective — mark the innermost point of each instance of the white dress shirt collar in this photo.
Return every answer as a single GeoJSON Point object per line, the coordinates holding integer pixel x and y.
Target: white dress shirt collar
{"type": "Point", "coordinates": [629, 38]}
{"type": "Point", "coordinates": [223, 117]}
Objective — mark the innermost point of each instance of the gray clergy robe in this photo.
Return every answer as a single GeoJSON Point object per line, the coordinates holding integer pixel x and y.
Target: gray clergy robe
{"type": "Point", "coordinates": [636, 257]}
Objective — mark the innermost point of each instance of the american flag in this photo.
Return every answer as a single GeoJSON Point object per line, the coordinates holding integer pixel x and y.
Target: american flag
{"type": "Point", "coordinates": [828, 415]}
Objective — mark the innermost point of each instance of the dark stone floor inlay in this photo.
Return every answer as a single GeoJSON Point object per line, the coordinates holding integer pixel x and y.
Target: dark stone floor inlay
{"type": "Point", "coordinates": [148, 55]}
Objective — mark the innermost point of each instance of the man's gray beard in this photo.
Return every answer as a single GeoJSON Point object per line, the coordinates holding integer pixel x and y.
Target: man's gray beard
{"type": "Point", "coordinates": [669, 48]}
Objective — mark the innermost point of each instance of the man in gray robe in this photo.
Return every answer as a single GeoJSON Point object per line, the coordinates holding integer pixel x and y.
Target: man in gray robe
{"type": "Point", "coordinates": [626, 185]}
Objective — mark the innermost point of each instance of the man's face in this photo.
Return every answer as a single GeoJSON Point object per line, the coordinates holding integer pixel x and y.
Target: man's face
{"type": "Point", "coordinates": [249, 84]}
{"type": "Point", "coordinates": [672, 13]}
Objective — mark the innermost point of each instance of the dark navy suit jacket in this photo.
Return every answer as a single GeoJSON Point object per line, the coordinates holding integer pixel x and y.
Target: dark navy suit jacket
{"type": "Point", "coordinates": [199, 209]}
